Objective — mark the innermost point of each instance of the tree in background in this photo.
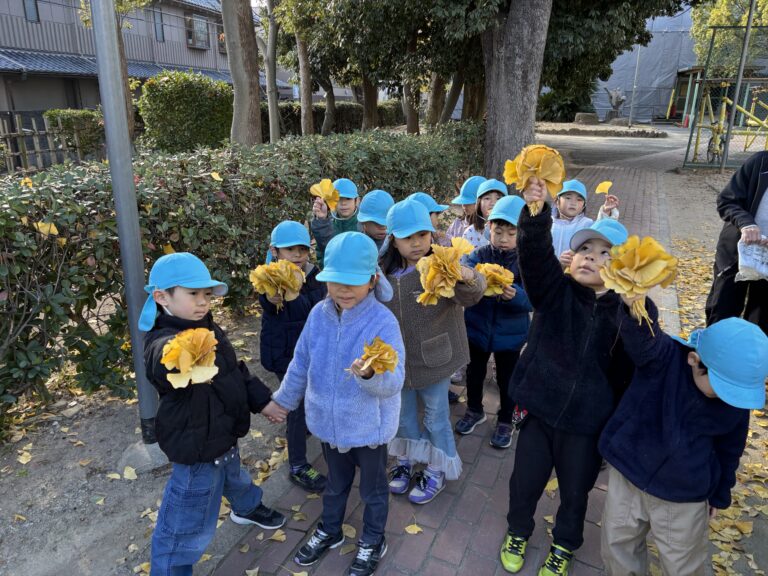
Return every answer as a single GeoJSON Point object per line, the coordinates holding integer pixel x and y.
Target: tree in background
{"type": "Point", "coordinates": [268, 51]}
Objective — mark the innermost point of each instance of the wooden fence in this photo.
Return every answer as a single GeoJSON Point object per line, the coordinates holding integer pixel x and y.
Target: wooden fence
{"type": "Point", "coordinates": [36, 147]}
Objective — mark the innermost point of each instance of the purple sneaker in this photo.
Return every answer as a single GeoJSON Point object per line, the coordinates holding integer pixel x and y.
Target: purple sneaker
{"type": "Point", "coordinates": [399, 479]}
{"type": "Point", "coordinates": [427, 487]}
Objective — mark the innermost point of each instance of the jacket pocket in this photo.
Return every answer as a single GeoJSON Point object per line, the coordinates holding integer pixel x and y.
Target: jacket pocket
{"type": "Point", "coordinates": [437, 351]}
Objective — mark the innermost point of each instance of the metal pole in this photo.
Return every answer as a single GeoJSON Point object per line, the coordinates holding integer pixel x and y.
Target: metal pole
{"type": "Point", "coordinates": [112, 93]}
{"type": "Point", "coordinates": [634, 87]}
{"type": "Point", "coordinates": [739, 76]}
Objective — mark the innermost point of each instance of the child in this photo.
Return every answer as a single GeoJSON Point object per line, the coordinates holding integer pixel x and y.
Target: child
{"type": "Point", "coordinates": [568, 378]}
{"type": "Point", "coordinates": [436, 345]}
{"type": "Point", "coordinates": [675, 440]}
{"type": "Point", "coordinates": [488, 193]}
{"type": "Point", "coordinates": [434, 210]}
{"type": "Point", "coordinates": [343, 220]}
{"type": "Point", "coordinates": [467, 199]}
{"type": "Point", "coordinates": [280, 330]}
{"type": "Point", "coordinates": [372, 216]}
{"type": "Point", "coordinates": [568, 215]}
{"type": "Point", "coordinates": [198, 426]}
{"type": "Point", "coordinates": [352, 411]}
{"type": "Point", "coordinates": [496, 325]}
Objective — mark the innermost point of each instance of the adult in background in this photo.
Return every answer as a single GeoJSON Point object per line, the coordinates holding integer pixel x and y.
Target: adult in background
{"type": "Point", "coordinates": [743, 206]}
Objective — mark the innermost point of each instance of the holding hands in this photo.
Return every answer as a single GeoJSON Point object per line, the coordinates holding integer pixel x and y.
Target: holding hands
{"type": "Point", "coordinates": [274, 412]}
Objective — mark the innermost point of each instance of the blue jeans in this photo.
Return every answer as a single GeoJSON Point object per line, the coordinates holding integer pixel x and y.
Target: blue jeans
{"type": "Point", "coordinates": [187, 518]}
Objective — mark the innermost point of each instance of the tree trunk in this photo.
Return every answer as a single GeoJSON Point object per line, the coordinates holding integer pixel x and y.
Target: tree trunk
{"type": "Point", "coordinates": [411, 100]}
{"type": "Point", "coordinates": [457, 82]}
{"type": "Point", "coordinates": [243, 58]}
{"type": "Point", "coordinates": [269, 52]}
{"type": "Point", "coordinates": [330, 106]}
{"type": "Point", "coordinates": [513, 53]}
{"type": "Point", "coordinates": [357, 94]}
{"type": "Point", "coordinates": [436, 100]}
{"type": "Point", "coordinates": [124, 73]}
{"type": "Point", "coordinates": [473, 107]}
{"type": "Point", "coordinates": [370, 105]}
{"type": "Point", "coordinates": [305, 86]}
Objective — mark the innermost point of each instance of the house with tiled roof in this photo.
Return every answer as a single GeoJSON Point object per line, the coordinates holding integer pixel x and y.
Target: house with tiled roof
{"type": "Point", "coordinates": [47, 57]}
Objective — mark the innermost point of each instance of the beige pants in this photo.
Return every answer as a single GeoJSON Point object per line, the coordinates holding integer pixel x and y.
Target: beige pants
{"type": "Point", "coordinates": [679, 530]}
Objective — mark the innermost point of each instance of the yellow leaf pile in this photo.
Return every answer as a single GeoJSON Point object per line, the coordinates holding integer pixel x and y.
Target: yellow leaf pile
{"type": "Point", "coordinates": [637, 266]}
{"type": "Point", "coordinates": [603, 187]}
{"type": "Point", "coordinates": [441, 270]}
{"type": "Point", "coordinates": [279, 278]}
{"type": "Point", "coordinates": [497, 278]}
{"type": "Point", "coordinates": [193, 354]}
{"type": "Point", "coordinates": [325, 190]}
{"type": "Point", "coordinates": [540, 161]}
{"type": "Point", "coordinates": [380, 356]}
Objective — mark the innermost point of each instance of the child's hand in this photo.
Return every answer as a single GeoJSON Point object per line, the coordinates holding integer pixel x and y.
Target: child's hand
{"type": "Point", "coordinates": [508, 292]}
{"type": "Point", "coordinates": [467, 274]}
{"type": "Point", "coordinates": [566, 258]}
{"type": "Point", "coordinates": [629, 301]}
{"type": "Point", "coordinates": [276, 300]}
{"type": "Point", "coordinates": [536, 191]}
{"type": "Point", "coordinates": [274, 412]}
{"type": "Point", "coordinates": [320, 209]}
{"type": "Point", "coordinates": [357, 369]}
{"type": "Point", "coordinates": [610, 204]}
{"type": "Point", "coordinates": [712, 512]}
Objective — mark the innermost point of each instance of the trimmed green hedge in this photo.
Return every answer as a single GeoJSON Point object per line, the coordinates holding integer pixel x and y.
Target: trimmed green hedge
{"type": "Point", "coordinates": [183, 110]}
{"type": "Point", "coordinates": [61, 290]}
{"type": "Point", "coordinates": [84, 127]}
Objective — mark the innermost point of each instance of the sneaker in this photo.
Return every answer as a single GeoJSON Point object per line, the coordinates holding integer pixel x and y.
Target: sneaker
{"type": "Point", "coordinates": [502, 436]}
{"type": "Point", "coordinates": [513, 553]}
{"type": "Point", "coordinates": [308, 478]}
{"type": "Point", "coordinates": [518, 416]}
{"type": "Point", "coordinates": [399, 479]}
{"type": "Point", "coordinates": [368, 556]}
{"type": "Point", "coordinates": [467, 423]}
{"type": "Point", "coordinates": [262, 516]}
{"type": "Point", "coordinates": [458, 376]}
{"type": "Point", "coordinates": [317, 545]}
{"type": "Point", "coordinates": [557, 562]}
{"type": "Point", "coordinates": [453, 398]}
{"type": "Point", "coordinates": [427, 487]}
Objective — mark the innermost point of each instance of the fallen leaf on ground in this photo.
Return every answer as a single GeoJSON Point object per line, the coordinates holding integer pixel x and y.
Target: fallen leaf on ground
{"type": "Point", "coordinates": [347, 548]}
{"type": "Point", "coordinates": [348, 530]}
{"type": "Point", "coordinates": [313, 496]}
{"type": "Point", "coordinates": [256, 434]}
{"type": "Point", "coordinates": [245, 548]}
{"type": "Point", "coordinates": [114, 476]}
{"type": "Point", "coordinates": [254, 572]}
{"type": "Point", "coordinates": [296, 507]}
{"type": "Point", "coordinates": [129, 473]}
{"type": "Point", "coordinates": [19, 518]}
{"type": "Point", "coordinates": [100, 501]}
{"type": "Point", "coordinates": [205, 558]}
{"type": "Point", "coordinates": [413, 529]}
{"type": "Point", "coordinates": [299, 516]}
{"type": "Point", "coordinates": [551, 487]}
{"type": "Point", "coordinates": [549, 519]}
{"type": "Point", "coordinates": [24, 458]}
{"type": "Point", "coordinates": [278, 536]}
{"type": "Point", "coordinates": [85, 461]}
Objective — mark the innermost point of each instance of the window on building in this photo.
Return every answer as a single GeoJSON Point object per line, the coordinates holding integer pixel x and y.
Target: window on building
{"type": "Point", "coordinates": [30, 11]}
{"type": "Point", "coordinates": [159, 30]}
{"type": "Point", "coordinates": [221, 39]}
{"type": "Point", "coordinates": [197, 31]}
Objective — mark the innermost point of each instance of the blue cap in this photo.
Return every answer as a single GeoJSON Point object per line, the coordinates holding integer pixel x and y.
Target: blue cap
{"type": "Point", "coordinates": [468, 192]}
{"type": "Point", "coordinates": [350, 258]}
{"type": "Point", "coordinates": [178, 269]}
{"type": "Point", "coordinates": [408, 217]}
{"type": "Point", "coordinates": [574, 186]}
{"type": "Point", "coordinates": [429, 203]}
{"type": "Point", "coordinates": [346, 188]}
{"type": "Point", "coordinates": [507, 209]}
{"type": "Point", "coordinates": [735, 353]}
{"type": "Point", "coordinates": [287, 234]}
{"type": "Point", "coordinates": [374, 207]}
{"type": "Point", "coordinates": [492, 185]}
{"type": "Point", "coordinates": [608, 229]}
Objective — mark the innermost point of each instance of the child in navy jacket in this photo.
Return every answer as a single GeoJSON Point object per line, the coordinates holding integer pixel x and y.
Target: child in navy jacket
{"type": "Point", "coordinates": [675, 440]}
{"type": "Point", "coordinates": [280, 330]}
{"type": "Point", "coordinates": [496, 325]}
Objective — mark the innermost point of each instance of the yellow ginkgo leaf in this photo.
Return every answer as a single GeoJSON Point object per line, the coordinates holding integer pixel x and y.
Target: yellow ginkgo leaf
{"type": "Point", "coordinates": [603, 187]}
{"type": "Point", "coordinates": [19, 518]}
{"type": "Point", "coordinates": [129, 473]}
{"type": "Point", "coordinates": [347, 548]}
{"type": "Point", "coordinates": [380, 356]}
{"type": "Point", "coordinates": [278, 536]}
{"type": "Point", "coordinates": [551, 487]}
{"type": "Point", "coordinates": [349, 531]}
{"type": "Point", "coordinates": [280, 278]}
{"type": "Point", "coordinates": [100, 501]}
{"type": "Point", "coordinates": [216, 176]}
{"type": "Point", "coordinates": [193, 353]}
{"type": "Point", "coordinates": [253, 572]}
{"type": "Point", "coordinates": [244, 548]}
{"type": "Point", "coordinates": [537, 161]}
{"type": "Point", "coordinates": [114, 476]}
{"type": "Point", "coordinates": [413, 529]}
{"type": "Point", "coordinates": [205, 558]}
{"type": "Point", "coordinates": [26, 182]}
{"type": "Point", "coordinates": [46, 228]}
{"type": "Point", "coordinates": [325, 190]}
{"type": "Point", "coordinates": [440, 271]}
{"type": "Point", "coordinates": [497, 278]}
{"type": "Point", "coordinates": [168, 249]}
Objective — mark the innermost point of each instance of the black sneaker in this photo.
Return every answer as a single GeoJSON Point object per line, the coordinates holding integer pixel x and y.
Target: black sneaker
{"type": "Point", "coordinates": [308, 478]}
{"type": "Point", "coordinates": [367, 560]}
{"type": "Point", "coordinates": [262, 516]}
{"type": "Point", "coordinates": [453, 398]}
{"type": "Point", "coordinates": [317, 545]}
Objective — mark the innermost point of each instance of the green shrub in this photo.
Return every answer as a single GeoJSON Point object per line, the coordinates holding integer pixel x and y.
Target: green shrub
{"type": "Point", "coordinates": [61, 291]}
{"type": "Point", "coordinates": [83, 128]}
{"type": "Point", "coordinates": [562, 106]}
{"type": "Point", "coordinates": [184, 110]}
{"type": "Point", "coordinates": [391, 113]}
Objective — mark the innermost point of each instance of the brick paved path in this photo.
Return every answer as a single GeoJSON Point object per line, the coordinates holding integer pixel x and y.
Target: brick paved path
{"type": "Point", "coordinates": [464, 526]}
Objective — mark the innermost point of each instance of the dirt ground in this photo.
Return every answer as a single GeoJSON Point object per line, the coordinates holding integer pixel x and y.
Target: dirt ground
{"type": "Point", "coordinates": [62, 514]}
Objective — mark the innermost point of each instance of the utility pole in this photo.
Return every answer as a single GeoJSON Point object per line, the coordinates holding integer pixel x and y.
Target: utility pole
{"type": "Point", "coordinates": [112, 92]}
